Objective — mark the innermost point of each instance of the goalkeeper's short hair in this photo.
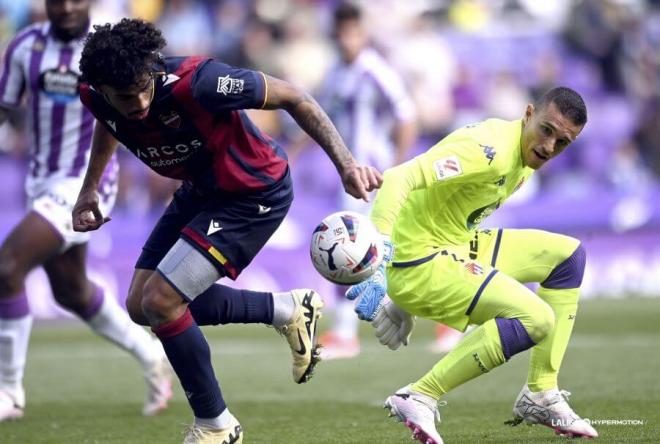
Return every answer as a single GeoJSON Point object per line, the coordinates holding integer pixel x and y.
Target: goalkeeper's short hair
{"type": "Point", "coordinates": [569, 103]}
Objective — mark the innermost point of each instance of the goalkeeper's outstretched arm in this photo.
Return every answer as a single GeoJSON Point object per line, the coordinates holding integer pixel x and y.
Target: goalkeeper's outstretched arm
{"type": "Point", "coordinates": [398, 183]}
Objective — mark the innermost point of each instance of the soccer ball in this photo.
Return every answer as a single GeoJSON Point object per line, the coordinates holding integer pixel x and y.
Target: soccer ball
{"type": "Point", "coordinates": [346, 248]}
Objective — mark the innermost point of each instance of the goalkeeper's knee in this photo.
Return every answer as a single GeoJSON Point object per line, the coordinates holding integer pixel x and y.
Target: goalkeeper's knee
{"type": "Point", "coordinates": [569, 273]}
{"type": "Point", "coordinates": [517, 336]}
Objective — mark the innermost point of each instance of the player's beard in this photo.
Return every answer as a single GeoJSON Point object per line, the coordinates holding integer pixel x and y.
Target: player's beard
{"type": "Point", "coordinates": [68, 34]}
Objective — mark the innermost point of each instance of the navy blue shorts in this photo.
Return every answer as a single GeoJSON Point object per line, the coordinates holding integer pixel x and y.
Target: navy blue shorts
{"type": "Point", "coordinates": [228, 228]}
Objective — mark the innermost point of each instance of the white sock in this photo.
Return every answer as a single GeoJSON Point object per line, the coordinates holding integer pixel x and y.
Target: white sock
{"type": "Point", "coordinates": [114, 324]}
{"type": "Point", "coordinates": [346, 320]}
{"type": "Point", "coordinates": [283, 308]}
{"type": "Point", "coordinates": [14, 337]}
{"type": "Point", "coordinates": [219, 422]}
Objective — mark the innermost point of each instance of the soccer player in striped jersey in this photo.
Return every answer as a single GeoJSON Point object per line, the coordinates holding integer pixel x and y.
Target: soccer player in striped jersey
{"type": "Point", "coordinates": [448, 270]}
{"type": "Point", "coordinates": [41, 62]}
{"type": "Point", "coordinates": [368, 102]}
{"type": "Point", "coordinates": [184, 118]}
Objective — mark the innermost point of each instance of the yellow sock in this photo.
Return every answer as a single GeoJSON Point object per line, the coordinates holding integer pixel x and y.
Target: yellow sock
{"type": "Point", "coordinates": [546, 357]}
{"type": "Point", "coordinates": [476, 354]}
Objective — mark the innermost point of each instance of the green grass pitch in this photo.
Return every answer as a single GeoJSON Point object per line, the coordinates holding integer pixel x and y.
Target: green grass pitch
{"type": "Point", "coordinates": [82, 390]}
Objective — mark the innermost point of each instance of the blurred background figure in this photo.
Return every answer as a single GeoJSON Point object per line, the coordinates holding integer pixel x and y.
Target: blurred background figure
{"type": "Point", "coordinates": [41, 66]}
{"type": "Point", "coordinates": [368, 102]}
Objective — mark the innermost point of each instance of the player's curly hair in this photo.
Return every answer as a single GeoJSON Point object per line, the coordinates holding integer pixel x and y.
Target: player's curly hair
{"type": "Point", "coordinates": [121, 55]}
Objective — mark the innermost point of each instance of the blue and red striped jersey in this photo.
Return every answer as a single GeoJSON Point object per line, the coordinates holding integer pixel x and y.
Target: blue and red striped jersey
{"type": "Point", "coordinates": [196, 129]}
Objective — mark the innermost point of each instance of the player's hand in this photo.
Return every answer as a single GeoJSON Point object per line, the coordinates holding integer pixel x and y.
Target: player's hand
{"type": "Point", "coordinates": [393, 325]}
{"type": "Point", "coordinates": [86, 213]}
{"type": "Point", "coordinates": [359, 180]}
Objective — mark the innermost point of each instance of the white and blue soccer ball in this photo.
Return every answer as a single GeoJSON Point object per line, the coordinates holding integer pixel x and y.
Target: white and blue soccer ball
{"type": "Point", "coordinates": [346, 248]}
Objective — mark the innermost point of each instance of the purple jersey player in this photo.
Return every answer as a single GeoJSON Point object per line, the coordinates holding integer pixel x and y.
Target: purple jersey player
{"type": "Point", "coordinates": [184, 118]}
{"type": "Point", "coordinates": [41, 62]}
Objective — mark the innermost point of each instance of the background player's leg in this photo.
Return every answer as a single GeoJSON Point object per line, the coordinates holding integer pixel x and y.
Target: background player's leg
{"type": "Point", "coordinates": [341, 340]}
{"type": "Point", "coordinates": [75, 292]}
{"type": "Point", "coordinates": [557, 262]}
{"type": "Point", "coordinates": [510, 318]}
{"type": "Point", "coordinates": [446, 338]}
{"type": "Point", "coordinates": [29, 244]}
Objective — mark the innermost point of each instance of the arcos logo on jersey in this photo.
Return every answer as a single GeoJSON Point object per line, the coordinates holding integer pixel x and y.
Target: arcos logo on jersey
{"type": "Point", "coordinates": [60, 84]}
{"type": "Point", "coordinates": [168, 155]}
{"type": "Point", "coordinates": [151, 152]}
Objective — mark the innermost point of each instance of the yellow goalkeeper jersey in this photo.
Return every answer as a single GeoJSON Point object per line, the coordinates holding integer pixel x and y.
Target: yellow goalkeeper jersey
{"type": "Point", "coordinates": [441, 196]}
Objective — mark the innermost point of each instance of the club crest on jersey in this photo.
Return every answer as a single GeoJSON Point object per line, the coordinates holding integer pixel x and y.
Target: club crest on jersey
{"type": "Point", "coordinates": [229, 85]}
{"type": "Point", "coordinates": [447, 167]}
{"type": "Point", "coordinates": [171, 119]}
{"type": "Point", "coordinates": [474, 268]}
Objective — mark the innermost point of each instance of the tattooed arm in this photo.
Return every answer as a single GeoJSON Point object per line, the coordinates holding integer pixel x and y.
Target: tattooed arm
{"type": "Point", "coordinates": [358, 179]}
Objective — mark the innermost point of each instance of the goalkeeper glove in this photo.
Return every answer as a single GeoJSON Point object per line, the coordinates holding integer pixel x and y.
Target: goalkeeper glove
{"type": "Point", "coordinates": [393, 325]}
{"type": "Point", "coordinates": [370, 293]}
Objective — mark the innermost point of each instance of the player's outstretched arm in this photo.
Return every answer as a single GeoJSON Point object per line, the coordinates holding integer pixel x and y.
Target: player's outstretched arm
{"type": "Point", "coordinates": [358, 179]}
{"type": "Point", "coordinates": [399, 182]}
{"type": "Point", "coordinates": [86, 213]}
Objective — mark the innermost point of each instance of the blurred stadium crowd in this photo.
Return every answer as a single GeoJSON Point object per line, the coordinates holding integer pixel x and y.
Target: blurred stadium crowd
{"type": "Point", "coordinates": [462, 61]}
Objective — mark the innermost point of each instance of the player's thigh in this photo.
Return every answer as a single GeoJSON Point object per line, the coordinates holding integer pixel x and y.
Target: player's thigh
{"type": "Point", "coordinates": [232, 229]}
{"type": "Point", "coordinates": [185, 205]}
{"type": "Point", "coordinates": [29, 244]}
{"type": "Point", "coordinates": [526, 255]}
{"type": "Point", "coordinates": [68, 276]}
{"type": "Point", "coordinates": [442, 289]}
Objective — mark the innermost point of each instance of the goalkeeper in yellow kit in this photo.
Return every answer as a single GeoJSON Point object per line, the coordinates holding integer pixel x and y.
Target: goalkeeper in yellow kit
{"type": "Point", "coordinates": [444, 268]}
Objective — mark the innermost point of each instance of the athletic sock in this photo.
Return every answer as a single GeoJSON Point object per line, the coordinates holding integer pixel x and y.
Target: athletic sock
{"type": "Point", "coordinates": [220, 304]}
{"type": "Point", "coordinates": [283, 308]}
{"type": "Point", "coordinates": [108, 320]}
{"type": "Point", "coordinates": [222, 421]}
{"type": "Point", "coordinates": [547, 356]}
{"type": "Point", "coordinates": [190, 357]}
{"type": "Point", "coordinates": [479, 352]}
{"type": "Point", "coordinates": [15, 326]}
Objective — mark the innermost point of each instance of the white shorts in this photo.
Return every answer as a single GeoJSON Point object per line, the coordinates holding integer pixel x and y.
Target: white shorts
{"type": "Point", "coordinates": [54, 199]}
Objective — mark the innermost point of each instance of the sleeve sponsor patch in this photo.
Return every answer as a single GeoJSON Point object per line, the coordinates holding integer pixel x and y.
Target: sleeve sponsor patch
{"type": "Point", "coordinates": [447, 167]}
{"type": "Point", "coordinates": [228, 85]}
